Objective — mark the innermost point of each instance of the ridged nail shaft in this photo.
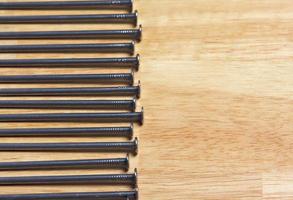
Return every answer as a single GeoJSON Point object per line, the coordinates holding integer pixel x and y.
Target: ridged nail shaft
{"type": "Point", "coordinates": [132, 34]}
{"type": "Point", "coordinates": [121, 78]}
{"type": "Point", "coordinates": [70, 48]}
{"type": "Point", "coordinates": [129, 18]}
{"type": "Point", "coordinates": [125, 147]}
{"type": "Point", "coordinates": [77, 132]}
{"type": "Point", "coordinates": [112, 163]}
{"type": "Point", "coordinates": [68, 5]}
{"type": "Point", "coordinates": [132, 62]}
{"type": "Point", "coordinates": [92, 91]}
{"type": "Point", "coordinates": [105, 179]}
{"type": "Point", "coordinates": [123, 117]}
{"type": "Point", "coordinates": [69, 104]}
{"type": "Point", "coordinates": [126, 195]}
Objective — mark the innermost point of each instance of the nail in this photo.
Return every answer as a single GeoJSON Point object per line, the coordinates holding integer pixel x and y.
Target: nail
{"type": "Point", "coordinates": [101, 179]}
{"type": "Point", "coordinates": [125, 195]}
{"type": "Point", "coordinates": [70, 48]}
{"type": "Point", "coordinates": [68, 5]}
{"type": "Point", "coordinates": [112, 163]}
{"type": "Point", "coordinates": [132, 62]}
{"type": "Point", "coordinates": [77, 132]}
{"type": "Point", "coordinates": [125, 147]}
{"type": "Point", "coordinates": [92, 91]}
{"type": "Point", "coordinates": [129, 18]}
{"type": "Point", "coordinates": [123, 117]}
{"type": "Point", "coordinates": [133, 34]}
{"type": "Point", "coordinates": [69, 104]}
{"type": "Point", "coordinates": [122, 78]}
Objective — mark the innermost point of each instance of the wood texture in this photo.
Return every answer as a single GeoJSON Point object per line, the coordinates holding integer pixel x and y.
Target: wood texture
{"type": "Point", "coordinates": [217, 91]}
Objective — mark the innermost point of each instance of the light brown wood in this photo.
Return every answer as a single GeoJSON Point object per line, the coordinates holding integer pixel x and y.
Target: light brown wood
{"type": "Point", "coordinates": [217, 82]}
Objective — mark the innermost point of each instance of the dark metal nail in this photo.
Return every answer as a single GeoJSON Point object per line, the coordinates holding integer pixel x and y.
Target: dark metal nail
{"type": "Point", "coordinates": [122, 78]}
{"type": "Point", "coordinates": [125, 147]}
{"type": "Point", "coordinates": [133, 34]}
{"type": "Point", "coordinates": [123, 117]}
{"type": "Point", "coordinates": [101, 179]}
{"type": "Point", "coordinates": [70, 48]}
{"type": "Point", "coordinates": [93, 91]}
{"type": "Point", "coordinates": [126, 195]}
{"type": "Point", "coordinates": [129, 18]}
{"type": "Point", "coordinates": [111, 163]}
{"type": "Point", "coordinates": [69, 104]}
{"type": "Point", "coordinates": [68, 5]}
{"type": "Point", "coordinates": [80, 132]}
{"type": "Point", "coordinates": [132, 62]}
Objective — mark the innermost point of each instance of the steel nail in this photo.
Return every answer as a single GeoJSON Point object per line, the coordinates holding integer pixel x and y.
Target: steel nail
{"type": "Point", "coordinates": [132, 62]}
{"type": "Point", "coordinates": [86, 91]}
{"type": "Point", "coordinates": [125, 195]}
{"type": "Point", "coordinates": [121, 78]}
{"type": "Point", "coordinates": [66, 5]}
{"type": "Point", "coordinates": [126, 147]}
{"type": "Point", "coordinates": [70, 48]}
{"type": "Point", "coordinates": [60, 132]}
{"type": "Point", "coordinates": [69, 104]}
{"type": "Point", "coordinates": [100, 179]}
{"type": "Point", "coordinates": [129, 18]}
{"type": "Point", "coordinates": [132, 34]}
{"type": "Point", "coordinates": [123, 117]}
{"type": "Point", "coordinates": [111, 163]}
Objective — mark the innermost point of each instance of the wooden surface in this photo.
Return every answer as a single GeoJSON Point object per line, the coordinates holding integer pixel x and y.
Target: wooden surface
{"type": "Point", "coordinates": [217, 81]}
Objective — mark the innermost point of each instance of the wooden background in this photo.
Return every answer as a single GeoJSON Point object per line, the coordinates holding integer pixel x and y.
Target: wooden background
{"type": "Point", "coordinates": [217, 80]}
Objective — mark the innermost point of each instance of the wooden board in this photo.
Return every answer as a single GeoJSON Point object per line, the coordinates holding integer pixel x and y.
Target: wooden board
{"type": "Point", "coordinates": [217, 82]}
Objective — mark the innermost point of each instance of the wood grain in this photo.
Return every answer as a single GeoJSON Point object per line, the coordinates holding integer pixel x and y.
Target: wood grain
{"type": "Point", "coordinates": [217, 91]}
